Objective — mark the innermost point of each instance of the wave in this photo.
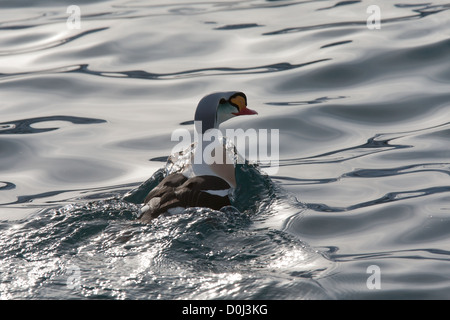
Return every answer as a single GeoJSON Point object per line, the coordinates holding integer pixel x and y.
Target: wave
{"type": "Point", "coordinates": [426, 10]}
{"type": "Point", "coordinates": [25, 126]}
{"type": "Point", "coordinates": [141, 74]}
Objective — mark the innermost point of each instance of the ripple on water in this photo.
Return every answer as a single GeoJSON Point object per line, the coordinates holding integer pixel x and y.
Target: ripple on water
{"type": "Point", "coordinates": [363, 120]}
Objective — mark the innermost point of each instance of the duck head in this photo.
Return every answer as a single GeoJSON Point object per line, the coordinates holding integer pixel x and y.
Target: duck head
{"type": "Point", "coordinates": [218, 107]}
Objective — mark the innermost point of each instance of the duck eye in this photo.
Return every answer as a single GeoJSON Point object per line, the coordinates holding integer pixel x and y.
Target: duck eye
{"type": "Point", "coordinates": [222, 101]}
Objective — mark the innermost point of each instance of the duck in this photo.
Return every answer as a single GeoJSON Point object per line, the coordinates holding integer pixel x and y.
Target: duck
{"type": "Point", "coordinates": [200, 184]}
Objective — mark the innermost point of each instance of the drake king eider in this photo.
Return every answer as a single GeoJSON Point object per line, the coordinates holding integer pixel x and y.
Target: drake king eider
{"type": "Point", "coordinates": [200, 184]}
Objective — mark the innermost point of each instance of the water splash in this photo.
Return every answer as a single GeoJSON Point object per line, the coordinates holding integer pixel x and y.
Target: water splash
{"type": "Point", "coordinates": [98, 249]}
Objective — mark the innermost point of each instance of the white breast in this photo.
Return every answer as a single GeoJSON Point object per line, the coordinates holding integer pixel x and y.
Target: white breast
{"type": "Point", "coordinates": [223, 169]}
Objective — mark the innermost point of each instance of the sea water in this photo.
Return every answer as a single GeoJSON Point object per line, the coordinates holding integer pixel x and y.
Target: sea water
{"type": "Point", "coordinates": [359, 207]}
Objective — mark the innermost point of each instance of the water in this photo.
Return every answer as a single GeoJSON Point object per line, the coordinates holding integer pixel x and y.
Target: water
{"type": "Point", "coordinates": [87, 114]}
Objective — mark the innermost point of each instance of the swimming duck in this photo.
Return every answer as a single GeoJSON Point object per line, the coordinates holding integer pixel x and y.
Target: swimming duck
{"type": "Point", "coordinates": [200, 184]}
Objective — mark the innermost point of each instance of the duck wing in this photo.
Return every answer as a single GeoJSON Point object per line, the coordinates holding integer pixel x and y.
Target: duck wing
{"type": "Point", "coordinates": [178, 191]}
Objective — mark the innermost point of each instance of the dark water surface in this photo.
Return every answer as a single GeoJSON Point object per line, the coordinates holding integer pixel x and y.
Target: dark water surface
{"type": "Point", "coordinates": [86, 116]}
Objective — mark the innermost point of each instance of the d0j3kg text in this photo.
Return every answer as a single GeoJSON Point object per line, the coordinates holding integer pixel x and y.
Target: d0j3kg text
{"type": "Point", "coordinates": [246, 309]}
